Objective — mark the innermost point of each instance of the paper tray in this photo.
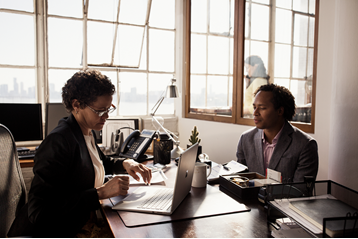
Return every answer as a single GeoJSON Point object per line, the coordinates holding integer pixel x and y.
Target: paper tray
{"type": "Point", "coordinates": [237, 190]}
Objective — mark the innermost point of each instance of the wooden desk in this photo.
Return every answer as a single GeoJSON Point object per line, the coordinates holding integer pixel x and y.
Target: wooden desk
{"type": "Point", "coordinates": [244, 224]}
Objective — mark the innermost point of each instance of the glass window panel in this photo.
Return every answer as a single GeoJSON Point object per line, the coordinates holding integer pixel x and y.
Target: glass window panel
{"type": "Point", "coordinates": [247, 20]}
{"type": "Point", "coordinates": [217, 91]}
{"type": "Point", "coordinates": [312, 7]}
{"type": "Point", "coordinates": [298, 91]}
{"type": "Point", "coordinates": [231, 86]}
{"type": "Point", "coordinates": [299, 61]}
{"type": "Point", "coordinates": [197, 91]}
{"type": "Point", "coordinates": [260, 49]}
{"type": "Point", "coordinates": [232, 20]}
{"type": "Point", "coordinates": [231, 64]}
{"type": "Point", "coordinates": [56, 80]}
{"type": "Point", "coordinates": [311, 32]}
{"type": "Point", "coordinates": [157, 87]}
{"type": "Point", "coordinates": [22, 5]}
{"type": "Point", "coordinates": [162, 14]}
{"type": "Point", "coordinates": [17, 85]}
{"type": "Point", "coordinates": [103, 10]}
{"type": "Point", "coordinates": [99, 42]}
{"type": "Point", "coordinates": [300, 5]}
{"type": "Point", "coordinates": [282, 82]}
{"type": "Point", "coordinates": [198, 54]}
{"type": "Point", "coordinates": [143, 57]}
{"type": "Point", "coordinates": [65, 42]}
{"type": "Point", "coordinates": [282, 60]}
{"type": "Point", "coordinates": [283, 26]}
{"type": "Point", "coordinates": [247, 52]}
{"type": "Point", "coordinates": [112, 75]}
{"type": "Point", "coordinates": [219, 16]}
{"type": "Point", "coordinates": [310, 63]}
{"type": "Point", "coordinates": [300, 30]}
{"type": "Point", "coordinates": [133, 11]}
{"type": "Point", "coordinates": [69, 8]}
{"type": "Point", "coordinates": [128, 45]}
{"type": "Point", "coordinates": [218, 55]}
{"type": "Point", "coordinates": [133, 93]}
{"type": "Point", "coordinates": [262, 1]}
{"type": "Point", "coordinates": [260, 19]}
{"type": "Point", "coordinates": [17, 41]}
{"type": "Point", "coordinates": [161, 50]}
{"type": "Point", "coordinates": [284, 4]}
{"type": "Point", "coordinates": [199, 17]}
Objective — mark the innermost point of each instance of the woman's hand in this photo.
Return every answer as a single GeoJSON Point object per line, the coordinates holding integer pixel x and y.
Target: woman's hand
{"type": "Point", "coordinates": [132, 168]}
{"type": "Point", "coordinates": [118, 185]}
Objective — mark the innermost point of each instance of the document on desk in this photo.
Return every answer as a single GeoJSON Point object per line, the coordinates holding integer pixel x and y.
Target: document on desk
{"type": "Point", "coordinates": [229, 168]}
{"type": "Point", "coordinates": [157, 177]}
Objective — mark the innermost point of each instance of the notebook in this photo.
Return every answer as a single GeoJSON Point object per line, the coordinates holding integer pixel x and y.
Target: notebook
{"type": "Point", "coordinates": [161, 200]}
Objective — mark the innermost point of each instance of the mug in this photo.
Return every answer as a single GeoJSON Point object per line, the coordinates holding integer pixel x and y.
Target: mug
{"type": "Point", "coordinates": [201, 174]}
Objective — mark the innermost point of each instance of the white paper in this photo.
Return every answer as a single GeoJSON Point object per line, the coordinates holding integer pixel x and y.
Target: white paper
{"type": "Point", "coordinates": [157, 177]}
{"type": "Point", "coordinates": [230, 168]}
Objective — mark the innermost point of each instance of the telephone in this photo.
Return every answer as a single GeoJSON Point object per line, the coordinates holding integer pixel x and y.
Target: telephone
{"type": "Point", "coordinates": [136, 144]}
{"type": "Point", "coordinates": [116, 141]}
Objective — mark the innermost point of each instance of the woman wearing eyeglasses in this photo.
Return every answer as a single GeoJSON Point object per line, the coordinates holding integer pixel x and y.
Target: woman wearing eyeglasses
{"type": "Point", "coordinates": [69, 166]}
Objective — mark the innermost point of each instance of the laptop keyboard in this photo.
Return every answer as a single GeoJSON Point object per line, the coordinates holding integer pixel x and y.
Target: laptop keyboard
{"type": "Point", "coordinates": [162, 199]}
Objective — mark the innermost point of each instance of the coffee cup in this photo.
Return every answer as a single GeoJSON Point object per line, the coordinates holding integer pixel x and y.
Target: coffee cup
{"type": "Point", "coordinates": [201, 173]}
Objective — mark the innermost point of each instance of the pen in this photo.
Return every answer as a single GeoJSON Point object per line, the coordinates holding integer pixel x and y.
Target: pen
{"type": "Point", "coordinates": [226, 167]}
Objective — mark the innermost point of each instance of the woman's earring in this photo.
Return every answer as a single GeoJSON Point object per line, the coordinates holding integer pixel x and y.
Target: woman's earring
{"type": "Point", "coordinates": [76, 112]}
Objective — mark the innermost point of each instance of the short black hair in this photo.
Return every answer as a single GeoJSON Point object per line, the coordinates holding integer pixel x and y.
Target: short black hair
{"type": "Point", "coordinates": [86, 86]}
{"type": "Point", "coordinates": [281, 97]}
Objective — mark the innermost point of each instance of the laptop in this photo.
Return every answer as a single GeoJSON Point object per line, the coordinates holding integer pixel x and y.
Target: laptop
{"type": "Point", "coordinates": [162, 200]}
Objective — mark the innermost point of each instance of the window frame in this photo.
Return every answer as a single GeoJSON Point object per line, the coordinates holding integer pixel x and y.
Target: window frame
{"type": "Point", "coordinates": [238, 71]}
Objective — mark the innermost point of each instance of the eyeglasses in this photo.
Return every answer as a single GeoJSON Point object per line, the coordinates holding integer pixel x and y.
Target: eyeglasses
{"type": "Point", "coordinates": [101, 113]}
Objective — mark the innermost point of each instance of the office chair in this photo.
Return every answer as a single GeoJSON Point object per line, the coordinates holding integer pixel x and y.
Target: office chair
{"type": "Point", "coordinates": [12, 185]}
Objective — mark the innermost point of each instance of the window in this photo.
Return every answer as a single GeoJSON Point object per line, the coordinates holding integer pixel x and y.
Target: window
{"type": "Point", "coordinates": [281, 35]}
{"type": "Point", "coordinates": [131, 41]}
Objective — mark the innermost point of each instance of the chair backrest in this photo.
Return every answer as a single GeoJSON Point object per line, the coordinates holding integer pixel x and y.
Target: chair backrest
{"type": "Point", "coordinates": [12, 186]}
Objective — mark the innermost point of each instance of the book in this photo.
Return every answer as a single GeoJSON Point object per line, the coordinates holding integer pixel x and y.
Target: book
{"type": "Point", "coordinates": [314, 210]}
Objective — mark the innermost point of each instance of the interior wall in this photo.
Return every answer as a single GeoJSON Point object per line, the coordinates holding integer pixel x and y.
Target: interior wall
{"type": "Point", "coordinates": [219, 140]}
{"type": "Point", "coordinates": [343, 151]}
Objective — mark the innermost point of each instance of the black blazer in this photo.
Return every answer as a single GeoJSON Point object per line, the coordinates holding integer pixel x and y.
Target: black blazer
{"type": "Point", "coordinates": [62, 193]}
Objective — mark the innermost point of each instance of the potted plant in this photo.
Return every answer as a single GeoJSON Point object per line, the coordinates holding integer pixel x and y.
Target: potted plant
{"type": "Point", "coordinates": [193, 139]}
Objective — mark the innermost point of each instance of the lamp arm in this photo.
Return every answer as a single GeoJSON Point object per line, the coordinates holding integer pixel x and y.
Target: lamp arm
{"type": "Point", "coordinates": [156, 106]}
{"type": "Point", "coordinates": [165, 130]}
{"type": "Point", "coordinates": [171, 133]}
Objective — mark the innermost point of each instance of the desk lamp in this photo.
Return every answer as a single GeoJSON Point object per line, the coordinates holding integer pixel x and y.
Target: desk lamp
{"type": "Point", "coordinates": [171, 92]}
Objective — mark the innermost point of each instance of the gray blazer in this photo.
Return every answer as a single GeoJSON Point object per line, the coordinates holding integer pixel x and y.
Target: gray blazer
{"type": "Point", "coordinates": [295, 154]}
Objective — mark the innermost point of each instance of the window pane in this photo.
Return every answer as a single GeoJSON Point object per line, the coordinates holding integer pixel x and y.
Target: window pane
{"type": "Point", "coordinates": [311, 32]}
{"type": "Point", "coordinates": [133, 93]}
{"type": "Point", "coordinates": [112, 75]}
{"type": "Point", "coordinates": [128, 45]}
{"type": "Point", "coordinates": [260, 49]}
{"type": "Point", "coordinates": [99, 42]}
{"type": "Point", "coordinates": [217, 91]}
{"type": "Point", "coordinates": [298, 91]}
{"type": "Point", "coordinates": [22, 5]}
{"type": "Point", "coordinates": [65, 42]}
{"type": "Point", "coordinates": [143, 57]}
{"type": "Point", "coordinates": [310, 63]}
{"type": "Point", "coordinates": [312, 7]}
{"type": "Point", "coordinates": [56, 80]}
{"type": "Point", "coordinates": [199, 17]}
{"type": "Point", "coordinates": [133, 11]}
{"type": "Point", "coordinates": [284, 4]}
{"type": "Point", "coordinates": [282, 60]}
{"type": "Point", "coordinates": [247, 20]}
{"type": "Point", "coordinates": [282, 82]}
{"type": "Point", "coordinates": [283, 26]}
{"type": "Point", "coordinates": [103, 10]}
{"type": "Point", "coordinates": [157, 87]}
{"type": "Point", "coordinates": [299, 62]}
{"type": "Point", "coordinates": [300, 30]}
{"type": "Point", "coordinates": [161, 50]}
{"type": "Point", "coordinates": [232, 20]}
{"type": "Point", "coordinates": [69, 8]}
{"type": "Point", "coordinates": [300, 5]}
{"type": "Point", "coordinates": [17, 85]}
{"type": "Point", "coordinates": [198, 53]}
{"type": "Point", "coordinates": [231, 63]}
{"type": "Point", "coordinates": [218, 55]}
{"type": "Point", "coordinates": [197, 91]}
{"type": "Point", "coordinates": [260, 19]}
{"type": "Point", "coordinates": [219, 16]}
{"type": "Point", "coordinates": [262, 1]}
{"type": "Point", "coordinates": [17, 40]}
{"type": "Point", "coordinates": [162, 14]}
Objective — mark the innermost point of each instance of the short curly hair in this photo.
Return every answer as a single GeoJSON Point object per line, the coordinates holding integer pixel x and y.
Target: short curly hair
{"type": "Point", "coordinates": [281, 97]}
{"type": "Point", "coordinates": [85, 86]}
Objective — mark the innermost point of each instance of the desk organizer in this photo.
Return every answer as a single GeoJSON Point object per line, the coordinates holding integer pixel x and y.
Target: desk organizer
{"type": "Point", "coordinates": [243, 192]}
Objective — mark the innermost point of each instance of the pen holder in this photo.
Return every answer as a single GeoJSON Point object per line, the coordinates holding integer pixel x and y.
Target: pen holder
{"type": "Point", "coordinates": [162, 149]}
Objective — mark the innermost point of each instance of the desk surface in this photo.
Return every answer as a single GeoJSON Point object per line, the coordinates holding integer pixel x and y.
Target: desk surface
{"type": "Point", "coordinates": [243, 224]}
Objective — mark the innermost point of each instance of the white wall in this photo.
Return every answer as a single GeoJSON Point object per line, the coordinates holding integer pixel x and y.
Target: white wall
{"type": "Point", "coordinates": [337, 52]}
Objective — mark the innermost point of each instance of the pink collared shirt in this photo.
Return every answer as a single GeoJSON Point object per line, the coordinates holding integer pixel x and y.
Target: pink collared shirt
{"type": "Point", "coordinates": [268, 148]}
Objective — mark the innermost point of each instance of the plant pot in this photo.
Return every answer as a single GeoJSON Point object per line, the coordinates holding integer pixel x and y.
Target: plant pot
{"type": "Point", "coordinates": [199, 151]}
